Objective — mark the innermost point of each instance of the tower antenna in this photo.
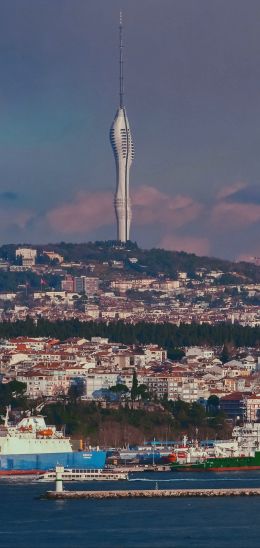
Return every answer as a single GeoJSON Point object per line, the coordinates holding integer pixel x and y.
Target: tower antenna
{"type": "Point", "coordinates": [121, 63]}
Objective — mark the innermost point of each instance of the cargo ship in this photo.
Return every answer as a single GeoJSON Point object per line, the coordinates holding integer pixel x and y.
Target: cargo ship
{"type": "Point", "coordinates": [31, 447]}
{"type": "Point", "coordinates": [220, 464]}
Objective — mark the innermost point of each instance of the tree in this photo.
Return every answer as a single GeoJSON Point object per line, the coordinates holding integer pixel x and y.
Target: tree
{"type": "Point", "coordinates": [120, 390]}
{"type": "Point", "coordinates": [12, 393]}
{"type": "Point", "coordinates": [143, 392]}
{"type": "Point", "coordinates": [74, 393]}
{"type": "Point", "coordinates": [134, 389]}
{"type": "Point", "coordinates": [175, 354]}
{"type": "Point", "coordinates": [226, 353]}
{"type": "Point", "coordinates": [213, 404]}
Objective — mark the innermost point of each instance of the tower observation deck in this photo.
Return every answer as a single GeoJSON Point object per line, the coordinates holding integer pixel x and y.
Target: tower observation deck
{"type": "Point", "coordinates": [122, 145]}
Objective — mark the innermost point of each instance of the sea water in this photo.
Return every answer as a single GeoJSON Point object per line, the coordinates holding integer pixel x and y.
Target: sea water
{"type": "Point", "coordinates": [27, 522]}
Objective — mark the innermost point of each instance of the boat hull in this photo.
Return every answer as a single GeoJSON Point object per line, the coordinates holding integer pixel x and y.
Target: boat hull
{"type": "Point", "coordinates": [37, 463]}
{"type": "Point", "coordinates": [216, 469]}
{"type": "Point", "coordinates": [221, 464]}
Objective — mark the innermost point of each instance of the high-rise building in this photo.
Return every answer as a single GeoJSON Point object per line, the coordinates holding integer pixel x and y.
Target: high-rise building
{"type": "Point", "coordinates": [68, 284]}
{"type": "Point", "coordinates": [122, 144]}
{"type": "Point", "coordinates": [91, 285]}
{"type": "Point", "coordinates": [79, 284]}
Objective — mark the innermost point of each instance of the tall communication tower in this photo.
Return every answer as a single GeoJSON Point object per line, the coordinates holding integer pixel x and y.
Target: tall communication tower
{"type": "Point", "coordinates": [123, 148]}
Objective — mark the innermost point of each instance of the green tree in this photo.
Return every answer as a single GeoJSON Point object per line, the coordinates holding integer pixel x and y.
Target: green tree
{"type": "Point", "coordinates": [74, 393]}
{"type": "Point", "coordinates": [143, 392]}
{"type": "Point", "coordinates": [134, 389]}
{"type": "Point", "coordinates": [175, 354]}
{"type": "Point", "coordinates": [213, 404]}
{"type": "Point", "coordinates": [13, 394]}
{"type": "Point", "coordinates": [120, 390]}
{"type": "Point", "coordinates": [226, 353]}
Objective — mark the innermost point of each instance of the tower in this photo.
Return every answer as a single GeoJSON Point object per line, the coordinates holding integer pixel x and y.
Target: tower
{"type": "Point", "coordinates": [122, 145]}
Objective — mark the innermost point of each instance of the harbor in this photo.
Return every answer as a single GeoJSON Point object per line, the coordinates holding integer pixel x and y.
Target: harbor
{"type": "Point", "coordinates": [61, 494]}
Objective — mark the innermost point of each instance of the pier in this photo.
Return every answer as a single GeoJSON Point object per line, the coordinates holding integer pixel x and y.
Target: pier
{"type": "Point", "coordinates": [60, 494]}
{"type": "Point", "coordinates": [151, 493]}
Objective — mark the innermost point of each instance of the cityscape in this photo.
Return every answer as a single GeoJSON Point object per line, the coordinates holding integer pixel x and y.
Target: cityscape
{"type": "Point", "coordinates": [130, 291]}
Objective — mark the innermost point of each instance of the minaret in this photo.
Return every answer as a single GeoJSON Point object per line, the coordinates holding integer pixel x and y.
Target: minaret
{"type": "Point", "coordinates": [122, 144]}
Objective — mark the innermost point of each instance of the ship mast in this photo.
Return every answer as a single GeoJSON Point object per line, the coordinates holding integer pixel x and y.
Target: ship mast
{"type": "Point", "coordinates": [6, 416]}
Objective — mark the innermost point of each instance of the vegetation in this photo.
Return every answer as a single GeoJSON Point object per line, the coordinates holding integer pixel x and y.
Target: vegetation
{"type": "Point", "coordinates": [129, 422]}
{"type": "Point", "coordinates": [167, 335]}
{"type": "Point", "coordinates": [11, 281]}
{"type": "Point", "coordinates": [227, 352]}
{"type": "Point", "coordinates": [153, 261]}
{"type": "Point", "coordinates": [13, 394]}
{"type": "Point", "coordinates": [110, 426]}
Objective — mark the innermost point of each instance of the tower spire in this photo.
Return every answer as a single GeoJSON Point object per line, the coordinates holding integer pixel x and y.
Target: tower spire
{"type": "Point", "coordinates": [121, 63]}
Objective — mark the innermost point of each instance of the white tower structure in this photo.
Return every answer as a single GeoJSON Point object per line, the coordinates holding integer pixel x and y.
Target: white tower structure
{"type": "Point", "coordinates": [122, 144]}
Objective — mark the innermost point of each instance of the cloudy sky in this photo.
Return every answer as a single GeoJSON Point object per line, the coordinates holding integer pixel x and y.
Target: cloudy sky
{"type": "Point", "coordinates": [193, 101]}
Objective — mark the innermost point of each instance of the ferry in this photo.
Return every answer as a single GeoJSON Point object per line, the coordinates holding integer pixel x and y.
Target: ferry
{"type": "Point", "coordinates": [31, 447]}
{"type": "Point", "coordinates": [72, 474]}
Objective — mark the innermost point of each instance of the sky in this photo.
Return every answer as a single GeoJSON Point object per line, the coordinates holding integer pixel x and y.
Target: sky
{"type": "Point", "coordinates": [192, 94]}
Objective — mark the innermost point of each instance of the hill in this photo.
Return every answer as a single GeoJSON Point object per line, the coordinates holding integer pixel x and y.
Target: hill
{"type": "Point", "coordinates": [151, 262]}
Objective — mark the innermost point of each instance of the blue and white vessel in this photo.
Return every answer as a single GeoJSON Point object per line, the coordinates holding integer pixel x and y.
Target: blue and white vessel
{"type": "Point", "coordinates": [31, 447]}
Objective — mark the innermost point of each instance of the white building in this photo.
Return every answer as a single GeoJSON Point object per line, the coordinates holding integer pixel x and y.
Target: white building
{"type": "Point", "coordinates": [28, 255]}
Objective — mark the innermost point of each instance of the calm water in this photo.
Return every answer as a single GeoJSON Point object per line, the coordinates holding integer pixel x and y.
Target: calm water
{"type": "Point", "coordinates": [28, 523]}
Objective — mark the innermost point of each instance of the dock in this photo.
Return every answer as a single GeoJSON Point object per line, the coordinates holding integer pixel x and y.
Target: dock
{"type": "Point", "coordinates": [151, 493]}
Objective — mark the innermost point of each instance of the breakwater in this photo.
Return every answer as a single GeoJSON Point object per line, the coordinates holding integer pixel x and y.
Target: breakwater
{"type": "Point", "coordinates": [151, 493]}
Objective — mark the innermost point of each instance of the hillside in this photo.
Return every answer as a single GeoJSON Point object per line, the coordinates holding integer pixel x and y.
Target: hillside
{"type": "Point", "coordinates": [152, 262]}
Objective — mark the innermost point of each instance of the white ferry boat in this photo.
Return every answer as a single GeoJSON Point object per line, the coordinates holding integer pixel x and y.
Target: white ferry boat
{"type": "Point", "coordinates": [73, 474]}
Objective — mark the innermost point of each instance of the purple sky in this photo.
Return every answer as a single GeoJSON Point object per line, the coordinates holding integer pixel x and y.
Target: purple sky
{"type": "Point", "coordinates": [193, 102]}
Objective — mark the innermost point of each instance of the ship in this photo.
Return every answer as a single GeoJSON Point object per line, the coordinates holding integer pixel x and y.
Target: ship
{"type": "Point", "coordinates": [221, 464]}
{"type": "Point", "coordinates": [31, 447]}
{"type": "Point", "coordinates": [240, 453]}
{"type": "Point", "coordinates": [84, 475]}
{"type": "Point", "coordinates": [145, 455]}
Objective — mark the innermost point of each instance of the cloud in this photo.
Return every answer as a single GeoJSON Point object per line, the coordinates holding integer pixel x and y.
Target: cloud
{"type": "Point", "coordinates": [190, 244]}
{"type": "Point", "coordinates": [250, 256]}
{"type": "Point", "coordinates": [247, 195]}
{"type": "Point", "coordinates": [88, 211]}
{"type": "Point", "coordinates": [92, 210]}
{"type": "Point", "coordinates": [229, 190]}
{"type": "Point", "coordinates": [8, 196]}
{"type": "Point", "coordinates": [234, 214]}
{"type": "Point", "coordinates": [163, 215]}
{"type": "Point", "coordinates": [150, 205]}
{"type": "Point", "coordinates": [238, 207]}
{"type": "Point", "coordinates": [15, 218]}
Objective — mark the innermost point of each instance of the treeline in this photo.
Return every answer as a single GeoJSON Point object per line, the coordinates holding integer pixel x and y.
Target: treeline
{"type": "Point", "coordinates": [167, 335]}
